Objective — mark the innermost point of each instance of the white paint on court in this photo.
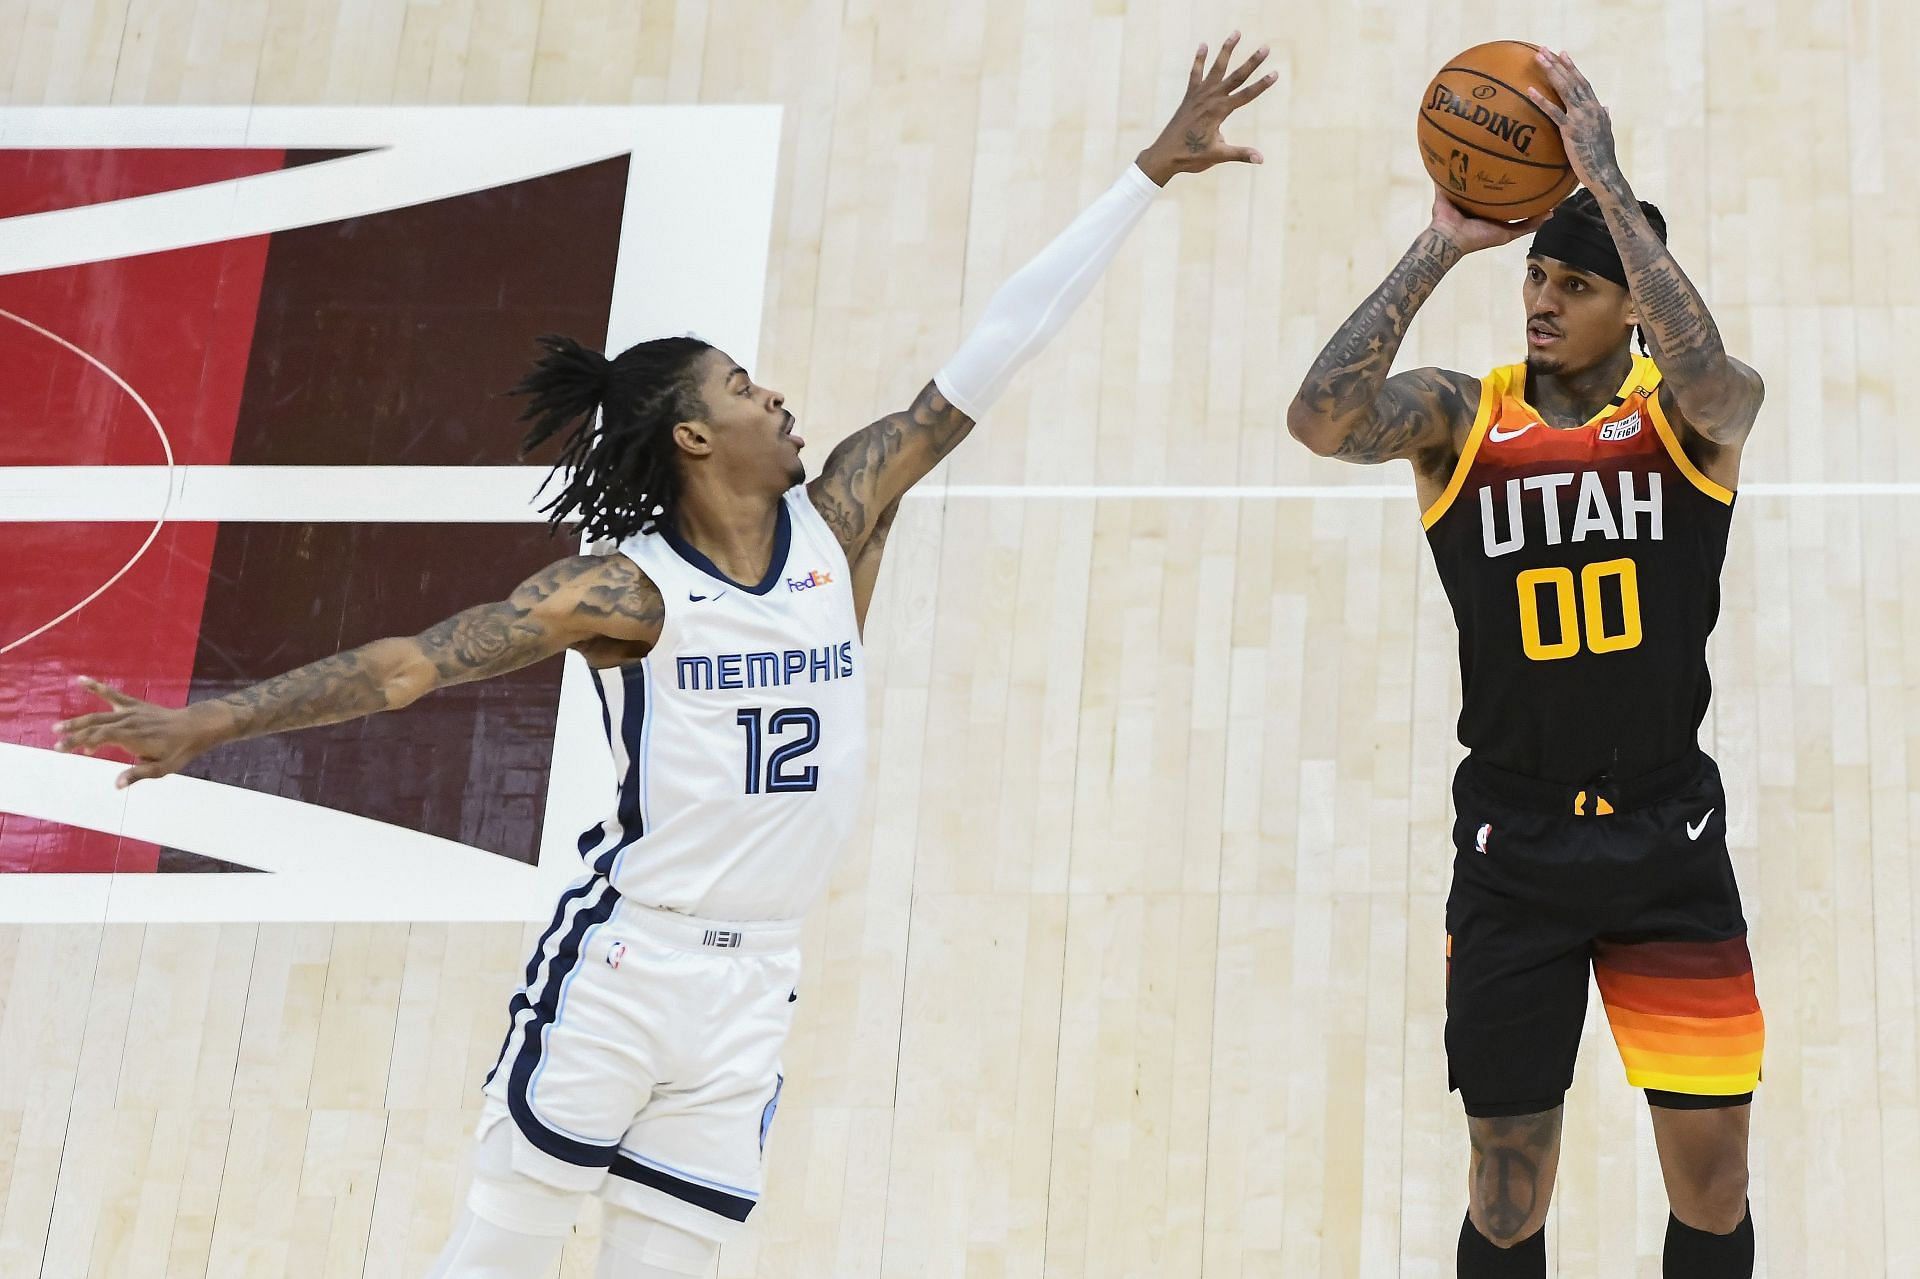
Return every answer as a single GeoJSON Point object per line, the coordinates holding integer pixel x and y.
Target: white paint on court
{"type": "Point", "coordinates": [686, 262]}
{"type": "Point", "coordinates": [506, 494]}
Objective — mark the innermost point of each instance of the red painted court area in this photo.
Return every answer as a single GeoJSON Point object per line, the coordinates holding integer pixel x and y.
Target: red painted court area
{"type": "Point", "coordinates": [177, 327]}
{"type": "Point", "coordinates": [382, 339]}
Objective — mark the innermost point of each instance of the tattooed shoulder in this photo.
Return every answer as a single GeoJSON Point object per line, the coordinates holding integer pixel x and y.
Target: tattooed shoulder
{"type": "Point", "coordinates": [575, 599]}
{"type": "Point", "coordinates": [1416, 412]}
{"type": "Point", "coordinates": [1719, 416]}
{"type": "Point", "coordinates": [874, 465]}
{"type": "Point", "coordinates": [613, 592]}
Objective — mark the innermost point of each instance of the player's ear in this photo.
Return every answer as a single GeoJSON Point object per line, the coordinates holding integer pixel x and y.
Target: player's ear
{"type": "Point", "coordinates": [692, 437]}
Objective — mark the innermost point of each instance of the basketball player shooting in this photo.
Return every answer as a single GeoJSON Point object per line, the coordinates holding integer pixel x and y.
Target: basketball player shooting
{"type": "Point", "coordinates": [1578, 507]}
{"type": "Point", "coordinates": [642, 1058]}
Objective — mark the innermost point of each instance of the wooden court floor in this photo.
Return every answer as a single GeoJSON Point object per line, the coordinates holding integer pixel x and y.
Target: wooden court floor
{"type": "Point", "coordinates": [1134, 966]}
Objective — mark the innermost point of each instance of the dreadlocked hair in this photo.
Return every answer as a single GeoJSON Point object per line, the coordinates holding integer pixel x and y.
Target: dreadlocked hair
{"type": "Point", "coordinates": [615, 419]}
{"type": "Point", "coordinates": [1584, 205]}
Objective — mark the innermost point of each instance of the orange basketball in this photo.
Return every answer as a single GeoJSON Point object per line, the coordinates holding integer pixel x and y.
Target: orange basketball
{"type": "Point", "coordinates": [1492, 151]}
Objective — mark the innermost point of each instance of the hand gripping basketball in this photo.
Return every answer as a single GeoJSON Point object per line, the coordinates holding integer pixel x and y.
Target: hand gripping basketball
{"type": "Point", "coordinates": [1191, 141]}
{"type": "Point", "coordinates": [1470, 234]}
{"type": "Point", "coordinates": [1586, 128]}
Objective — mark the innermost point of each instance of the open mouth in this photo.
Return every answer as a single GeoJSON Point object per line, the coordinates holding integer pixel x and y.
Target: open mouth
{"type": "Point", "coordinates": [790, 433]}
{"type": "Point", "coordinates": [1539, 336]}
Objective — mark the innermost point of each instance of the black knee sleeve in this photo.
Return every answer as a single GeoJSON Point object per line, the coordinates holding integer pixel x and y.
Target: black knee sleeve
{"type": "Point", "coordinates": [1696, 1254]}
{"type": "Point", "coordinates": [1480, 1258]}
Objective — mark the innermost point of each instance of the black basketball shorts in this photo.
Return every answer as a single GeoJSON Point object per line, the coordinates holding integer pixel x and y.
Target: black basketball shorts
{"type": "Point", "coordinates": [1630, 881]}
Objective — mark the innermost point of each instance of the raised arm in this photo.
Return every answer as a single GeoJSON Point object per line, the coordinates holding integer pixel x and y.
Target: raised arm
{"type": "Point", "coordinates": [866, 565]}
{"type": "Point", "coordinates": [1716, 396]}
{"type": "Point", "coordinates": [871, 468]}
{"type": "Point", "coordinates": [567, 603]}
{"type": "Point", "coordinates": [1347, 407]}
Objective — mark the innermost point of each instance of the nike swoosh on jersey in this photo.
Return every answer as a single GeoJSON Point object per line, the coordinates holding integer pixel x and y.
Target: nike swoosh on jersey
{"type": "Point", "coordinates": [1693, 831]}
{"type": "Point", "coordinates": [1499, 436]}
{"type": "Point", "coordinates": [697, 599]}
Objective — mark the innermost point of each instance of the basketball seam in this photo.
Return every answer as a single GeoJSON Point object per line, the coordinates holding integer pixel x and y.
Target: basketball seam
{"type": "Point", "coordinates": [1465, 142]}
{"type": "Point", "coordinates": [1518, 93]}
{"type": "Point", "coordinates": [1497, 204]}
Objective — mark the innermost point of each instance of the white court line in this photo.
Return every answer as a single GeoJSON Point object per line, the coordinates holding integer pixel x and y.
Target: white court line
{"type": "Point", "coordinates": [686, 263]}
{"type": "Point", "coordinates": [504, 494]}
{"type": "Point", "coordinates": [166, 474]}
{"type": "Point", "coordinates": [412, 155]}
{"type": "Point", "coordinates": [327, 864]}
{"type": "Point", "coordinates": [1355, 492]}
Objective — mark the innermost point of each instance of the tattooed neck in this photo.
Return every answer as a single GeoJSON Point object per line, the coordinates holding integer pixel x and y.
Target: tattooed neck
{"type": "Point", "coordinates": [1570, 399]}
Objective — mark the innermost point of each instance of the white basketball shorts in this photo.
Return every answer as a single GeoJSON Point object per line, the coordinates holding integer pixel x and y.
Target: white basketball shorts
{"type": "Point", "coordinates": [643, 1060]}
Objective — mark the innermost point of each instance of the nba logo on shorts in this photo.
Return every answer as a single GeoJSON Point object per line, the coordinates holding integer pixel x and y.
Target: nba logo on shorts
{"type": "Point", "coordinates": [618, 951]}
{"type": "Point", "coordinates": [1480, 839]}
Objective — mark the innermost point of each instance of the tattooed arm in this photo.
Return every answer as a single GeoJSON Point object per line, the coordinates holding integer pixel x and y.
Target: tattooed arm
{"type": "Point", "coordinates": [866, 566]}
{"type": "Point", "coordinates": [868, 472]}
{"type": "Point", "coordinates": [568, 603]}
{"type": "Point", "coordinates": [1716, 395]}
{"type": "Point", "coordinates": [1348, 407]}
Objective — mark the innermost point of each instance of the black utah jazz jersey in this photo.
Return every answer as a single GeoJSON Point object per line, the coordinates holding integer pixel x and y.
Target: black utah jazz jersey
{"type": "Point", "coordinates": [1583, 567]}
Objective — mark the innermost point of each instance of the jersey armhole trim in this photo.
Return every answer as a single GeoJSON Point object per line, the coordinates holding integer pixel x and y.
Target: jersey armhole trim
{"type": "Point", "coordinates": [1669, 437]}
{"type": "Point", "coordinates": [807, 515]}
{"type": "Point", "coordinates": [1482, 419]}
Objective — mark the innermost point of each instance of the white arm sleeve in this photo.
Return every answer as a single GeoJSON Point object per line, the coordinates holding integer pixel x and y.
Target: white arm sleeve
{"type": "Point", "coordinates": [1032, 306]}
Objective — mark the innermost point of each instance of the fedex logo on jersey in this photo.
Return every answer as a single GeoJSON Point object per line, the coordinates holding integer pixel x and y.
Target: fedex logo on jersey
{"type": "Point", "coordinates": [764, 670]}
{"type": "Point", "coordinates": [811, 580]}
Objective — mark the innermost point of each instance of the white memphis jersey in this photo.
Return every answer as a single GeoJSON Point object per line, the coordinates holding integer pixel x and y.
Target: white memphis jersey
{"type": "Point", "coordinates": [740, 742]}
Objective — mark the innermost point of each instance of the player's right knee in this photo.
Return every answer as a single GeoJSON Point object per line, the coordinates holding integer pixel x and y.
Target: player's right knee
{"type": "Point", "coordinates": [1514, 1161]}
{"type": "Point", "coordinates": [516, 1202]}
{"type": "Point", "coordinates": [1500, 1229]}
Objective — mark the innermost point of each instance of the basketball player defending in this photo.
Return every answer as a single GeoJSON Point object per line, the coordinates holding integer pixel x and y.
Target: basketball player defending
{"type": "Point", "coordinates": [1578, 507]}
{"type": "Point", "coordinates": [642, 1061]}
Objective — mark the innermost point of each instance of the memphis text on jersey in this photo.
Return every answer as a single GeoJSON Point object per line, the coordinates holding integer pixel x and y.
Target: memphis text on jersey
{"type": "Point", "coordinates": [764, 669]}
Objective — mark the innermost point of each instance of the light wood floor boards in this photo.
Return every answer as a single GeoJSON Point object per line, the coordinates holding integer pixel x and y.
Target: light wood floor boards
{"type": "Point", "coordinates": [1134, 967]}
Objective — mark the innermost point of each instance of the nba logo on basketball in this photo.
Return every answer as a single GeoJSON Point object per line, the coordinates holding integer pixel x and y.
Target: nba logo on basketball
{"type": "Point", "coordinates": [1480, 839]}
{"type": "Point", "coordinates": [618, 951]}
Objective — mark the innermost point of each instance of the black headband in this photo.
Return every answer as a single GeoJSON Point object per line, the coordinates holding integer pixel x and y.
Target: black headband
{"type": "Point", "coordinates": [1580, 242]}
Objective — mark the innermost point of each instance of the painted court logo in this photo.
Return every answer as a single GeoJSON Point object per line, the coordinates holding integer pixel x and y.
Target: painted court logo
{"type": "Point", "coordinates": [811, 580]}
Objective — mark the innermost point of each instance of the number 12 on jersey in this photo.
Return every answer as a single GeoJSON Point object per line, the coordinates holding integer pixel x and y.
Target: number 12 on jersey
{"type": "Point", "coordinates": [776, 779]}
{"type": "Point", "coordinates": [1573, 615]}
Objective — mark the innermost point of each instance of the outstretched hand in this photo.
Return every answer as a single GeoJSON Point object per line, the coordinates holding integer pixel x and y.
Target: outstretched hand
{"type": "Point", "coordinates": [1191, 141]}
{"type": "Point", "coordinates": [164, 740]}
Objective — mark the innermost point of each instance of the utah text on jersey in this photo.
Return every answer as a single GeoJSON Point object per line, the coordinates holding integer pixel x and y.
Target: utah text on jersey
{"type": "Point", "coordinates": [1583, 566]}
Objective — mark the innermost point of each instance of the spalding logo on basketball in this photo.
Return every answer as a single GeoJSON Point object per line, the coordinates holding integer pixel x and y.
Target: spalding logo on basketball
{"type": "Point", "coordinates": [1481, 138]}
